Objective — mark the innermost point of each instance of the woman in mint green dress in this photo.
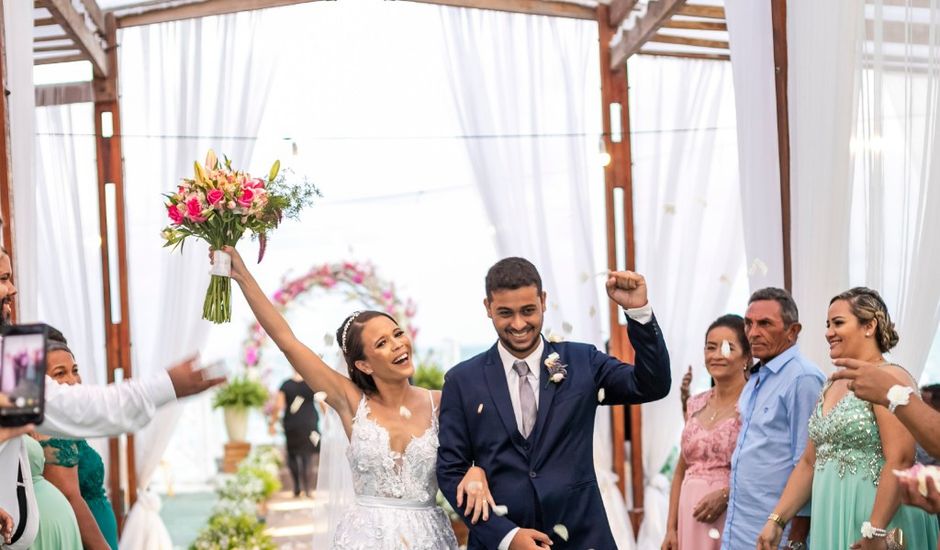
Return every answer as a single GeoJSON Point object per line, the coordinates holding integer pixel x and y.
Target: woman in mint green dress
{"type": "Point", "coordinates": [76, 468]}
{"type": "Point", "coordinates": [854, 447]}
{"type": "Point", "coordinates": [58, 529]}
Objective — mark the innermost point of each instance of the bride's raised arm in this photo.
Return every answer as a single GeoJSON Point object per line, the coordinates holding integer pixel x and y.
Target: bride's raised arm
{"type": "Point", "coordinates": [341, 393]}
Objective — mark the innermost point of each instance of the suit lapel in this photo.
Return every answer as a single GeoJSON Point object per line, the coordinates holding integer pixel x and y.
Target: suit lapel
{"type": "Point", "coordinates": [547, 390]}
{"type": "Point", "coordinates": [495, 376]}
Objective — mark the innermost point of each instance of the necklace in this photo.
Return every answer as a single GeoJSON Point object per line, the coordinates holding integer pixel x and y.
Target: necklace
{"type": "Point", "coordinates": [716, 412]}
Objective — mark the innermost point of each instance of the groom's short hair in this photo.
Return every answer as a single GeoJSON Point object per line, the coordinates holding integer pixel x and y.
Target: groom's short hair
{"type": "Point", "coordinates": [510, 274]}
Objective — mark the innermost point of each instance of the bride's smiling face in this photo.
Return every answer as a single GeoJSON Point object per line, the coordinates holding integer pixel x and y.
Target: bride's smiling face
{"type": "Point", "coordinates": [387, 348]}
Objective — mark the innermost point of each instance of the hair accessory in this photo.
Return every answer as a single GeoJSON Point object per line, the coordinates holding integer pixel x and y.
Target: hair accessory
{"type": "Point", "coordinates": [346, 329]}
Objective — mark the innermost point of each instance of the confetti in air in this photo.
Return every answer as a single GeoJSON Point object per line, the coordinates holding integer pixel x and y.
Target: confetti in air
{"type": "Point", "coordinates": [566, 326]}
{"type": "Point", "coordinates": [320, 397]}
{"type": "Point", "coordinates": [480, 409]}
{"type": "Point", "coordinates": [561, 531]}
{"type": "Point", "coordinates": [500, 510]}
{"type": "Point", "coordinates": [296, 404]}
{"type": "Point", "coordinates": [404, 412]}
{"type": "Point", "coordinates": [758, 267]}
{"type": "Point", "coordinates": [714, 534]}
{"type": "Point", "coordinates": [315, 437]}
{"type": "Point", "coordinates": [600, 395]}
{"type": "Point", "coordinates": [725, 349]}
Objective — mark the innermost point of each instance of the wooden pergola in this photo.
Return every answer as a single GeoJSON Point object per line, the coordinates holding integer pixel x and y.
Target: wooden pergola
{"type": "Point", "coordinates": [66, 30]}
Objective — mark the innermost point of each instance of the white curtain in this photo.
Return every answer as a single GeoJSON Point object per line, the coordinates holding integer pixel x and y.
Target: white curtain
{"type": "Point", "coordinates": [896, 186]}
{"type": "Point", "coordinates": [688, 232]}
{"type": "Point", "coordinates": [18, 30]}
{"type": "Point", "coordinates": [69, 288]}
{"type": "Point", "coordinates": [822, 47]}
{"type": "Point", "coordinates": [750, 33]}
{"type": "Point", "coordinates": [186, 87]}
{"type": "Point", "coordinates": [525, 89]}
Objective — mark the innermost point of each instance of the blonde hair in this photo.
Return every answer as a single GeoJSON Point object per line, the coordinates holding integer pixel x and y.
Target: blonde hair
{"type": "Point", "coordinates": [866, 304]}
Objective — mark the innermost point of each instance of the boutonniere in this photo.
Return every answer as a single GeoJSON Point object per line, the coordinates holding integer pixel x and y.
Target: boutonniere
{"type": "Point", "coordinates": [557, 371]}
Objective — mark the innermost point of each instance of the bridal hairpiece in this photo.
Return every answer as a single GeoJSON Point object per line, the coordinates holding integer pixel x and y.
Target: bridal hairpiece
{"type": "Point", "coordinates": [346, 329]}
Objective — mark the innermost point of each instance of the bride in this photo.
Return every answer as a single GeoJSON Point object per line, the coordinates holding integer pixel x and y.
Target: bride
{"type": "Point", "coordinates": [391, 425]}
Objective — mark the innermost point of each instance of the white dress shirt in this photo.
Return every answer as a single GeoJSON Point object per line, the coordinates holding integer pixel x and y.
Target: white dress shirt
{"type": "Point", "coordinates": [641, 315]}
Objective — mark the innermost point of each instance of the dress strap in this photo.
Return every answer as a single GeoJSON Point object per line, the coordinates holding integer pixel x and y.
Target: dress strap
{"type": "Point", "coordinates": [431, 398]}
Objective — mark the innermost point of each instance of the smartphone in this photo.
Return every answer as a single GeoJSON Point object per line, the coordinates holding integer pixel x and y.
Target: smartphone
{"type": "Point", "coordinates": [23, 374]}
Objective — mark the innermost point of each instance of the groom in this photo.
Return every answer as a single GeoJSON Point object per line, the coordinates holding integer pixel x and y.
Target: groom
{"type": "Point", "coordinates": [524, 412]}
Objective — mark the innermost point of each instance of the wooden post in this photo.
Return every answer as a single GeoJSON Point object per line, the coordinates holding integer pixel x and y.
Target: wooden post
{"type": "Point", "coordinates": [117, 331]}
{"type": "Point", "coordinates": [618, 175]}
{"type": "Point", "coordinates": [6, 167]}
{"type": "Point", "coordinates": [779, 14]}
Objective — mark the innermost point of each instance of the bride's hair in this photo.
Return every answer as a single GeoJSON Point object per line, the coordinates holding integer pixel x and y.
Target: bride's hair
{"type": "Point", "coordinates": [349, 336]}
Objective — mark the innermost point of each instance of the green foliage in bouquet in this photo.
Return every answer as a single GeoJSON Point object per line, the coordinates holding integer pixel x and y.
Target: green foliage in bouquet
{"type": "Point", "coordinates": [429, 374]}
{"type": "Point", "coordinates": [241, 392]}
{"type": "Point", "coordinates": [233, 532]}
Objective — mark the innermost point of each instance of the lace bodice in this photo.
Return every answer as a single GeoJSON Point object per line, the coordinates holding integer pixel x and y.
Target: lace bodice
{"type": "Point", "coordinates": [849, 436]}
{"type": "Point", "coordinates": [381, 472]}
{"type": "Point", "coordinates": [707, 451]}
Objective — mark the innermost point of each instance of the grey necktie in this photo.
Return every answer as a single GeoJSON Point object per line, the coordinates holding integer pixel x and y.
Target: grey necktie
{"type": "Point", "coordinates": [526, 398]}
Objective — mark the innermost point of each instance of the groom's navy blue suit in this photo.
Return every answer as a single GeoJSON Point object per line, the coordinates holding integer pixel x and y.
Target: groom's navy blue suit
{"type": "Point", "coordinates": [547, 478]}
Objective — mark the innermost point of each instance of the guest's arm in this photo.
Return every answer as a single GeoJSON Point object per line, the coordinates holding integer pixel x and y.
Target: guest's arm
{"type": "Point", "coordinates": [65, 478]}
{"type": "Point", "coordinates": [671, 542]}
{"type": "Point", "coordinates": [796, 493]}
{"type": "Point", "coordinates": [280, 403]}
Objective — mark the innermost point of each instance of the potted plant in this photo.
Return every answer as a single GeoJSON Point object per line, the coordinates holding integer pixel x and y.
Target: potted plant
{"type": "Point", "coordinates": [236, 398]}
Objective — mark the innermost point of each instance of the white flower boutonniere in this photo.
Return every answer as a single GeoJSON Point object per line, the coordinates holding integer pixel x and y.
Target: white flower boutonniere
{"type": "Point", "coordinates": [557, 371]}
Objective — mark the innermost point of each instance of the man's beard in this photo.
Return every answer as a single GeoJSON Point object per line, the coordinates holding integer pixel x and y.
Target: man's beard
{"type": "Point", "coordinates": [5, 312]}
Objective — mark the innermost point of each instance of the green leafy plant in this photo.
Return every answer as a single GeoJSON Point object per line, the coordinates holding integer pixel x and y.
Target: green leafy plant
{"type": "Point", "coordinates": [242, 392]}
{"type": "Point", "coordinates": [429, 374]}
{"type": "Point", "coordinates": [233, 532]}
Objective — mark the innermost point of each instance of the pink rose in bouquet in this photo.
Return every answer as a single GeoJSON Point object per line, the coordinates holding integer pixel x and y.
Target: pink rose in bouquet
{"type": "Point", "coordinates": [219, 204]}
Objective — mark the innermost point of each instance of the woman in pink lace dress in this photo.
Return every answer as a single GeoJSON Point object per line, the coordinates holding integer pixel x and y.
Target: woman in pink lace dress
{"type": "Point", "coordinates": [700, 486]}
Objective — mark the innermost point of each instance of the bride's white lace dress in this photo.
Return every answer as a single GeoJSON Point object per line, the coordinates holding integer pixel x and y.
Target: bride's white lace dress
{"type": "Point", "coordinates": [395, 492]}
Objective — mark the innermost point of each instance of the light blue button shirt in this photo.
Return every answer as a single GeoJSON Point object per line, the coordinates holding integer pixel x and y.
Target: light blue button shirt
{"type": "Point", "coordinates": [775, 406]}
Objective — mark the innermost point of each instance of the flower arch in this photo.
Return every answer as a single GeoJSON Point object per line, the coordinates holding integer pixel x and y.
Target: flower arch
{"type": "Point", "coordinates": [357, 279]}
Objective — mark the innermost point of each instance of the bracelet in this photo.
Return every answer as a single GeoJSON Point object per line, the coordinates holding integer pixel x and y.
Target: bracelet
{"type": "Point", "coordinates": [775, 517]}
{"type": "Point", "coordinates": [869, 531]}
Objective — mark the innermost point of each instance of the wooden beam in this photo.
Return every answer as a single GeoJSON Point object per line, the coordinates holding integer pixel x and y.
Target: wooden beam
{"type": "Point", "coordinates": [695, 25]}
{"type": "Point", "coordinates": [94, 12]}
{"type": "Point", "coordinates": [206, 8]}
{"type": "Point", "coordinates": [688, 41]}
{"type": "Point", "coordinates": [44, 22]}
{"type": "Point", "coordinates": [73, 23]}
{"type": "Point", "coordinates": [6, 164]}
{"type": "Point", "coordinates": [530, 7]}
{"type": "Point", "coordinates": [117, 331]}
{"type": "Point", "coordinates": [619, 10]}
{"type": "Point", "coordinates": [725, 56]}
{"type": "Point", "coordinates": [59, 59]}
{"type": "Point", "coordinates": [59, 48]}
{"type": "Point", "coordinates": [52, 38]}
{"type": "Point", "coordinates": [632, 40]}
{"type": "Point", "coordinates": [48, 95]}
{"type": "Point", "coordinates": [779, 15]}
{"type": "Point", "coordinates": [707, 12]}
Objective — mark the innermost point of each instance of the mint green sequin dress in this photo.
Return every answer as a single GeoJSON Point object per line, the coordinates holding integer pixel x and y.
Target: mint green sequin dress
{"type": "Point", "coordinates": [77, 452]}
{"type": "Point", "coordinates": [849, 459]}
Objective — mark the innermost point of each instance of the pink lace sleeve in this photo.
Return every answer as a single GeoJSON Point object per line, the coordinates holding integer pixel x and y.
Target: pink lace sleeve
{"type": "Point", "coordinates": [696, 403]}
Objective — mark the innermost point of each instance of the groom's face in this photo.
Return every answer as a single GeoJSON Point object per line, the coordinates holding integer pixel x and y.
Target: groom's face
{"type": "Point", "coordinates": [517, 317]}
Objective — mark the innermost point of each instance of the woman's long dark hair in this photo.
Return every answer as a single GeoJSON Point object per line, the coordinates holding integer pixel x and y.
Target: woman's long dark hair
{"type": "Point", "coordinates": [349, 336]}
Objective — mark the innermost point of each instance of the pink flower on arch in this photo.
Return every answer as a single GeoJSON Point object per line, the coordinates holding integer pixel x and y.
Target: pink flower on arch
{"type": "Point", "coordinates": [251, 356]}
{"type": "Point", "coordinates": [358, 278]}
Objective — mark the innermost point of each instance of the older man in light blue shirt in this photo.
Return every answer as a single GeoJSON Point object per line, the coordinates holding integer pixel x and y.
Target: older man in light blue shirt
{"type": "Point", "coordinates": [775, 407]}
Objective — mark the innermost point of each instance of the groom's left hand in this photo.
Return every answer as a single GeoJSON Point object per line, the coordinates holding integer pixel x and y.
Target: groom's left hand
{"type": "Point", "coordinates": [627, 289]}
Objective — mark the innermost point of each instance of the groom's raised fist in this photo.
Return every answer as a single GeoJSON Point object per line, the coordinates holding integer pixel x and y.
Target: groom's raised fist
{"type": "Point", "coordinates": [627, 289]}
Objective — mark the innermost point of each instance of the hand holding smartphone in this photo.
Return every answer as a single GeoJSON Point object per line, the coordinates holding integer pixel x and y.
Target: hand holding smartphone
{"type": "Point", "coordinates": [23, 374]}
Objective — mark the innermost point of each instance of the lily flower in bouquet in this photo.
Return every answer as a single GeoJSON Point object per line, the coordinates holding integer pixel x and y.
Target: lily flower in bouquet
{"type": "Point", "coordinates": [218, 205]}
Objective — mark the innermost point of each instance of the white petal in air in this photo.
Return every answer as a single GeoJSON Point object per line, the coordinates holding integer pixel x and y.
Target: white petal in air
{"type": "Point", "coordinates": [328, 339]}
{"type": "Point", "coordinates": [714, 534]}
{"type": "Point", "coordinates": [758, 267]}
{"type": "Point", "coordinates": [600, 395]}
{"type": "Point", "coordinates": [725, 349]}
{"type": "Point", "coordinates": [669, 208]}
{"type": "Point", "coordinates": [480, 409]}
{"type": "Point", "coordinates": [585, 277]}
{"type": "Point", "coordinates": [500, 510]}
{"type": "Point", "coordinates": [404, 412]}
{"type": "Point", "coordinates": [561, 531]}
{"type": "Point", "coordinates": [296, 404]}
{"type": "Point", "coordinates": [315, 437]}
{"type": "Point", "coordinates": [554, 337]}
{"type": "Point", "coordinates": [592, 312]}
{"type": "Point", "coordinates": [320, 397]}
{"type": "Point", "coordinates": [566, 326]}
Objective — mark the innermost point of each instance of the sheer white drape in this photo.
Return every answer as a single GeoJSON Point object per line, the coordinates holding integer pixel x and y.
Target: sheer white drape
{"type": "Point", "coordinates": [18, 29]}
{"type": "Point", "coordinates": [896, 186]}
{"type": "Point", "coordinates": [526, 88]}
{"type": "Point", "coordinates": [70, 291]}
{"type": "Point", "coordinates": [752, 61]}
{"type": "Point", "coordinates": [822, 47]}
{"type": "Point", "coordinates": [205, 80]}
{"type": "Point", "coordinates": [688, 231]}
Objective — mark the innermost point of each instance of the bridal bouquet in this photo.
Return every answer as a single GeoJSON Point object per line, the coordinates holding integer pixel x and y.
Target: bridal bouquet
{"type": "Point", "coordinates": [218, 205]}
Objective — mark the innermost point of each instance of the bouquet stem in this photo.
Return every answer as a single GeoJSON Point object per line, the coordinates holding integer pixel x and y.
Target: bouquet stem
{"type": "Point", "coordinates": [218, 305]}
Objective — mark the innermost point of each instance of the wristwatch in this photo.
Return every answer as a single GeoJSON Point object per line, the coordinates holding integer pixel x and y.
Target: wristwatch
{"type": "Point", "coordinates": [898, 396]}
